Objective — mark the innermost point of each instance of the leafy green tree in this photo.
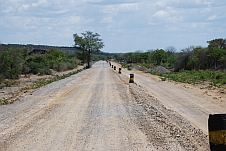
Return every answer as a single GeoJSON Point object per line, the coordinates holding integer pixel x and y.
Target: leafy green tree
{"type": "Point", "coordinates": [24, 54]}
{"type": "Point", "coordinates": [171, 59]}
{"type": "Point", "coordinates": [89, 42]}
{"type": "Point", "coordinates": [218, 54]}
{"type": "Point", "coordinates": [159, 56]}
{"type": "Point", "coordinates": [216, 48]}
{"type": "Point", "coordinates": [144, 57]}
{"type": "Point", "coordinates": [200, 55]}
{"type": "Point", "coordinates": [37, 63]}
{"type": "Point", "coordinates": [56, 59]}
{"type": "Point", "coordinates": [171, 55]}
{"type": "Point", "coordinates": [217, 43]}
{"type": "Point", "coordinates": [193, 62]}
{"type": "Point", "coordinates": [11, 63]}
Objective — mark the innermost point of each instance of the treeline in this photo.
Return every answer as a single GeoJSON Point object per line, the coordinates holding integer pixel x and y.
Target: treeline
{"type": "Point", "coordinates": [14, 62]}
{"type": "Point", "coordinates": [211, 57]}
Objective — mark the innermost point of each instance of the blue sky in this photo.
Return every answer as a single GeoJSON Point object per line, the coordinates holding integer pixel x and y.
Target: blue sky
{"type": "Point", "coordinates": [124, 25]}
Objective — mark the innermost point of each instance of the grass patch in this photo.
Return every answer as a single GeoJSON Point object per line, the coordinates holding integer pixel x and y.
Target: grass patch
{"type": "Point", "coordinates": [8, 83]}
{"type": "Point", "coordinates": [3, 102]}
{"type": "Point", "coordinates": [43, 82]}
{"type": "Point", "coordinates": [196, 77]}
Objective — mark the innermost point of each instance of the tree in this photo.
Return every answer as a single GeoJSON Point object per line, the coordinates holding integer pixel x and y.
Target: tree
{"type": "Point", "coordinates": [171, 55]}
{"type": "Point", "coordinates": [170, 50]}
{"type": "Point", "coordinates": [89, 42]}
{"type": "Point", "coordinates": [182, 60]}
{"type": "Point", "coordinates": [217, 54]}
{"type": "Point", "coordinates": [193, 62]}
{"type": "Point", "coordinates": [159, 56]}
{"type": "Point", "coordinates": [11, 63]}
{"type": "Point", "coordinates": [130, 57]}
{"type": "Point", "coordinates": [217, 43]}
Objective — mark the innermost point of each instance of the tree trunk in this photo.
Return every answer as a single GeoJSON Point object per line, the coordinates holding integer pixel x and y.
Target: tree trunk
{"type": "Point", "coordinates": [88, 58]}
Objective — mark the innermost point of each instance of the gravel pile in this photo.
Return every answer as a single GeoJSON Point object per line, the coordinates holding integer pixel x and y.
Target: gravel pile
{"type": "Point", "coordinates": [164, 128]}
{"type": "Point", "coordinates": [160, 69]}
{"type": "Point", "coordinates": [141, 68]}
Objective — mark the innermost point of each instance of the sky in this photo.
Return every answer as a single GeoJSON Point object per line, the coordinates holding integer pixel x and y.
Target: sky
{"type": "Point", "coordinates": [123, 25]}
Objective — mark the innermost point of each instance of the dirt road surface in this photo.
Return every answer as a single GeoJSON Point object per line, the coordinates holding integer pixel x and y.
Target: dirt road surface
{"type": "Point", "coordinates": [98, 109]}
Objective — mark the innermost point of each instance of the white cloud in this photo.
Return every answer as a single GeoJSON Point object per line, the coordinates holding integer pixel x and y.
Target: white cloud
{"type": "Point", "coordinates": [206, 10]}
{"type": "Point", "coordinates": [40, 3]}
{"type": "Point", "coordinates": [212, 17]}
{"type": "Point", "coordinates": [161, 14]}
{"type": "Point", "coordinates": [109, 9]}
{"type": "Point", "coordinates": [107, 19]}
{"type": "Point", "coordinates": [160, 4]}
{"type": "Point", "coordinates": [129, 7]}
{"type": "Point", "coordinates": [73, 20]}
{"type": "Point", "coordinates": [120, 8]}
{"type": "Point", "coordinates": [8, 10]}
{"type": "Point", "coordinates": [198, 25]}
{"type": "Point", "coordinates": [209, 3]}
{"type": "Point", "coordinates": [24, 7]}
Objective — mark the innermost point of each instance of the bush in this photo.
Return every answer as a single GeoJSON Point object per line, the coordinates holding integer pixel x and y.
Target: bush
{"type": "Point", "coordinates": [197, 76]}
{"type": "Point", "coordinates": [11, 63]}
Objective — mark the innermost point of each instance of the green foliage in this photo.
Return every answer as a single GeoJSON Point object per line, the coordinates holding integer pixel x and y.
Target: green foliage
{"type": "Point", "coordinates": [14, 62]}
{"type": "Point", "coordinates": [193, 62]}
{"type": "Point", "coordinates": [8, 83]}
{"type": "Point", "coordinates": [217, 43]}
{"type": "Point", "coordinates": [190, 58]}
{"type": "Point", "coordinates": [53, 59]}
{"type": "Point", "coordinates": [197, 76]}
{"type": "Point", "coordinates": [148, 59]}
{"type": "Point", "coordinates": [11, 63]}
{"type": "Point", "coordinates": [37, 63]}
{"type": "Point", "coordinates": [159, 56]}
{"type": "Point", "coordinates": [217, 54]}
{"type": "Point", "coordinates": [171, 59]}
{"type": "Point", "coordinates": [3, 102]}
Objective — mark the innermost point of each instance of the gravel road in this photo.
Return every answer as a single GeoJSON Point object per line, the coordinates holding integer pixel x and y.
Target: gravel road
{"type": "Point", "coordinates": [98, 109]}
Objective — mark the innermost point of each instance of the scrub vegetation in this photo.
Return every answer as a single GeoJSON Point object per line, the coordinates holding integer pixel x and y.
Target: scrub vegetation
{"type": "Point", "coordinates": [194, 64]}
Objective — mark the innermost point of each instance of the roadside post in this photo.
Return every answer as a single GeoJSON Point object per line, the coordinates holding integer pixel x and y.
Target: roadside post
{"type": "Point", "coordinates": [217, 132]}
{"type": "Point", "coordinates": [114, 67]}
{"type": "Point", "coordinates": [131, 80]}
{"type": "Point", "coordinates": [120, 70]}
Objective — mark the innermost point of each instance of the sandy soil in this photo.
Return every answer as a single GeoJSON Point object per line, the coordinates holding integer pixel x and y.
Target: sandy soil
{"type": "Point", "coordinates": [97, 109]}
